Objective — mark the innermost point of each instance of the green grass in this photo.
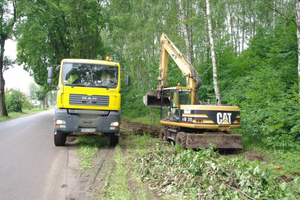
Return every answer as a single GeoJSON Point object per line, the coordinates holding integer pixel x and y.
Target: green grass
{"type": "Point", "coordinates": [117, 187]}
{"type": "Point", "coordinates": [143, 120]}
{"type": "Point", "coordinates": [13, 115]}
{"type": "Point", "coordinates": [289, 160]}
{"type": "Point", "coordinates": [122, 181]}
{"type": "Point", "coordinates": [144, 144]}
{"type": "Point", "coordinates": [88, 147]}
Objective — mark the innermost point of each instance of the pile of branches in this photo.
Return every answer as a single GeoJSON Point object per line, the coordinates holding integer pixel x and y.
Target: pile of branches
{"type": "Point", "coordinates": [206, 174]}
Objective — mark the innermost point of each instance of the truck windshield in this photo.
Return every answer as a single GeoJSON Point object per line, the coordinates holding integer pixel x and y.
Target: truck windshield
{"type": "Point", "coordinates": [90, 75]}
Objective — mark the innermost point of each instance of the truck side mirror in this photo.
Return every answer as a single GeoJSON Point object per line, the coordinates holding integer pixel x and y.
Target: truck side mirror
{"type": "Point", "coordinates": [128, 78]}
{"type": "Point", "coordinates": [50, 75]}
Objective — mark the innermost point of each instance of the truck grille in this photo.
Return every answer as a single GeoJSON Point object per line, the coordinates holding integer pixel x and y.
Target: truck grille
{"type": "Point", "coordinates": [94, 100]}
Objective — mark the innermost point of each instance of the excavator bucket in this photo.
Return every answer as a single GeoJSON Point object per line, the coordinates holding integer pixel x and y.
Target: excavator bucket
{"type": "Point", "coordinates": [220, 139]}
{"type": "Point", "coordinates": [151, 100]}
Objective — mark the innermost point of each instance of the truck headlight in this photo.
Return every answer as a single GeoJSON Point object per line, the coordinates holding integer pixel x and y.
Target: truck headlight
{"type": "Point", "coordinates": [60, 123]}
{"type": "Point", "coordinates": [114, 125]}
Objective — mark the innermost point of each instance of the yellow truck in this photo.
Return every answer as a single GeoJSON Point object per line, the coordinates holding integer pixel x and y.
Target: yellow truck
{"type": "Point", "coordinates": [88, 99]}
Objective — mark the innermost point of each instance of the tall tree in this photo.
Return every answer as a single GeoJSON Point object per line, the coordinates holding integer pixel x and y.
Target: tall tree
{"type": "Point", "coordinates": [62, 29]}
{"type": "Point", "coordinates": [274, 14]}
{"type": "Point", "coordinates": [7, 21]}
{"type": "Point", "coordinates": [213, 54]}
{"type": "Point", "coordinates": [184, 29]}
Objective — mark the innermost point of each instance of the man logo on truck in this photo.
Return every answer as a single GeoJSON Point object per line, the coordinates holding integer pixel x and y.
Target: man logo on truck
{"type": "Point", "coordinates": [89, 100]}
{"type": "Point", "coordinates": [86, 98]}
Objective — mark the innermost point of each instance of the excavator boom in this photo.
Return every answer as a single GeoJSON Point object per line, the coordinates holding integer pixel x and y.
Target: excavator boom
{"type": "Point", "coordinates": [187, 69]}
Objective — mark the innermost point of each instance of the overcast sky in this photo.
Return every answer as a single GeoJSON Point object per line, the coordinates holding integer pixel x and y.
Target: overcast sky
{"type": "Point", "coordinates": [15, 77]}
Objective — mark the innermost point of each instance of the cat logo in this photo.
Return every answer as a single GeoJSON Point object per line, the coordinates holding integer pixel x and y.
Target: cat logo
{"type": "Point", "coordinates": [224, 118]}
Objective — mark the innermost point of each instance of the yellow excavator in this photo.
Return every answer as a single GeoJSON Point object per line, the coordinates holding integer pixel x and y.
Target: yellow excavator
{"type": "Point", "coordinates": [185, 120]}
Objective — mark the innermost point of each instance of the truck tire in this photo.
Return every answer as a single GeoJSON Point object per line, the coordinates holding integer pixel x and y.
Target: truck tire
{"type": "Point", "coordinates": [181, 139]}
{"type": "Point", "coordinates": [60, 138]}
{"type": "Point", "coordinates": [163, 134]}
{"type": "Point", "coordinates": [113, 140]}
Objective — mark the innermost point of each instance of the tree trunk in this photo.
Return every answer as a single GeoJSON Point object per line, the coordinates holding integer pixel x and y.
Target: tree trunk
{"type": "Point", "coordinates": [184, 29]}
{"type": "Point", "coordinates": [274, 14]}
{"type": "Point", "coordinates": [298, 40]}
{"type": "Point", "coordinates": [213, 54]}
{"type": "Point", "coordinates": [250, 22]}
{"type": "Point", "coordinates": [5, 32]}
{"type": "Point", "coordinates": [3, 111]}
{"type": "Point", "coordinates": [243, 28]}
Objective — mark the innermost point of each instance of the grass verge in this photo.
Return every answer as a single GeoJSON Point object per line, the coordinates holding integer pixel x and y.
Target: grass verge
{"type": "Point", "coordinates": [117, 187]}
{"type": "Point", "coordinates": [118, 180]}
{"type": "Point", "coordinates": [288, 161]}
{"type": "Point", "coordinates": [144, 120]}
{"type": "Point", "coordinates": [13, 115]}
{"type": "Point", "coordinates": [88, 147]}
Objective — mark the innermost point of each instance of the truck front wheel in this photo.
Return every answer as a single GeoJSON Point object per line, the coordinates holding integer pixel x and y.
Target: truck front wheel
{"type": "Point", "coordinates": [59, 138]}
{"type": "Point", "coordinates": [113, 140]}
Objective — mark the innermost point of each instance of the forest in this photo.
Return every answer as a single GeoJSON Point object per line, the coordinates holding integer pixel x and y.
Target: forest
{"type": "Point", "coordinates": [255, 43]}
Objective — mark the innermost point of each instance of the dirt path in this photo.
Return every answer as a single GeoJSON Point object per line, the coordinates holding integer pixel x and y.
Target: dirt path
{"type": "Point", "coordinates": [85, 185]}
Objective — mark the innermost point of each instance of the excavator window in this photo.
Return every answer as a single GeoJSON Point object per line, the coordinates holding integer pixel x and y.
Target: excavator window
{"type": "Point", "coordinates": [177, 98]}
{"type": "Point", "coordinates": [174, 102]}
{"type": "Point", "coordinates": [185, 97]}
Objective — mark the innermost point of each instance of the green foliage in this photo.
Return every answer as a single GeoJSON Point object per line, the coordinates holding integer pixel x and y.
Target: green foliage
{"type": "Point", "coordinates": [62, 29]}
{"type": "Point", "coordinates": [15, 101]}
{"type": "Point", "coordinates": [205, 174]}
{"type": "Point", "coordinates": [256, 60]}
{"type": "Point", "coordinates": [266, 91]}
{"type": "Point", "coordinates": [33, 88]}
{"type": "Point", "coordinates": [287, 159]}
{"type": "Point", "coordinates": [41, 94]}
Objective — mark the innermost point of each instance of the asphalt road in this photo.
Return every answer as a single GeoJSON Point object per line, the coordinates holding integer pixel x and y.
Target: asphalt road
{"type": "Point", "coordinates": [31, 167]}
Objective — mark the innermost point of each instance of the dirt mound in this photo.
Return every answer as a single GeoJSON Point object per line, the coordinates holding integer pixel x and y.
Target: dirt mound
{"type": "Point", "coordinates": [252, 155]}
{"type": "Point", "coordinates": [135, 128]}
{"type": "Point", "coordinates": [296, 174]}
{"type": "Point", "coordinates": [285, 178]}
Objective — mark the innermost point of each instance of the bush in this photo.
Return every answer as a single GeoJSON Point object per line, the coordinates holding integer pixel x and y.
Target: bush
{"type": "Point", "coordinates": [15, 100]}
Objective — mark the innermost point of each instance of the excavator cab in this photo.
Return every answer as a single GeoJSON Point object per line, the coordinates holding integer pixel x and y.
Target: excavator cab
{"type": "Point", "coordinates": [177, 96]}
